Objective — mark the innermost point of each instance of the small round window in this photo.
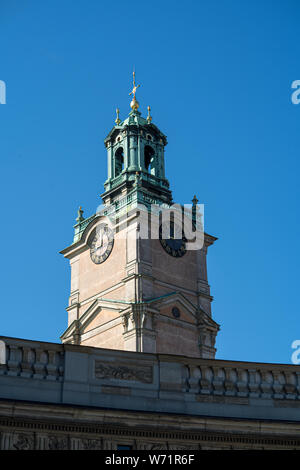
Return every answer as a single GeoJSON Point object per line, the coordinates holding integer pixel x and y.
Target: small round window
{"type": "Point", "coordinates": [176, 312]}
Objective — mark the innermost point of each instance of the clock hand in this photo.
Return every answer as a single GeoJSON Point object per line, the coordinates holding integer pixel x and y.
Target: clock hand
{"type": "Point", "coordinates": [97, 247]}
{"type": "Point", "coordinates": [100, 241]}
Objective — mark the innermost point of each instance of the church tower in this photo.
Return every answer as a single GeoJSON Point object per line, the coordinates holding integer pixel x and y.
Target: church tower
{"type": "Point", "coordinates": [131, 290]}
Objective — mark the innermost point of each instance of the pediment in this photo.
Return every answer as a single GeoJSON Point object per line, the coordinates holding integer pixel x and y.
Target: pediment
{"type": "Point", "coordinates": [191, 311]}
{"type": "Point", "coordinates": [164, 305]}
{"type": "Point", "coordinates": [81, 325]}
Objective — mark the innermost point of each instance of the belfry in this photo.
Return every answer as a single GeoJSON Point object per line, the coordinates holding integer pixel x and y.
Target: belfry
{"type": "Point", "coordinates": [131, 292]}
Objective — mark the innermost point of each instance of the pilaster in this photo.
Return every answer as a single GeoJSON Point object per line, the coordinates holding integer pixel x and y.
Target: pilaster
{"type": "Point", "coordinates": [139, 333]}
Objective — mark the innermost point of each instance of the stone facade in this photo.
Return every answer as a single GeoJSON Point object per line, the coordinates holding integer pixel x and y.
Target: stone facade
{"type": "Point", "coordinates": [55, 396]}
{"type": "Point", "coordinates": [103, 311]}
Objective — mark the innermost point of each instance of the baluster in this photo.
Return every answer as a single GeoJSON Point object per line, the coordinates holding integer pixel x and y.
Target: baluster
{"type": "Point", "coordinates": [290, 386]}
{"type": "Point", "coordinates": [278, 384]}
{"type": "Point", "coordinates": [242, 383]}
{"type": "Point", "coordinates": [253, 383]}
{"type": "Point", "coordinates": [40, 364]}
{"type": "Point", "coordinates": [297, 374]}
{"type": "Point", "coordinates": [194, 379]}
{"type": "Point", "coordinates": [266, 383]}
{"type": "Point", "coordinates": [218, 380]}
{"type": "Point", "coordinates": [27, 362]}
{"type": "Point", "coordinates": [13, 362]}
{"type": "Point", "coordinates": [61, 367]}
{"type": "Point", "coordinates": [230, 382]}
{"type": "Point", "coordinates": [51, 366]}
{"type": "Point", "coordinates": [206, 380]}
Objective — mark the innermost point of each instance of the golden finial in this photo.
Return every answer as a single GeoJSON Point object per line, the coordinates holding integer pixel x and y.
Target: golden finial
{"type": "Point", "coordinates": [149, 118]}
{"type": "Point", "coordinates": [118, 120]}
{"type": "Point", "coordinates": [134, 103]}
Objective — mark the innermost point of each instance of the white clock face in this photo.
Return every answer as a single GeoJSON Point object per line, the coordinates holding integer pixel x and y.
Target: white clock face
{"type": "Point", "coordinates": [101, 244]}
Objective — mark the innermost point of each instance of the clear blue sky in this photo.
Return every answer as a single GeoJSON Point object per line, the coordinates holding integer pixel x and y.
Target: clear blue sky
{"type": "Point", "coordinates": [218, 76]}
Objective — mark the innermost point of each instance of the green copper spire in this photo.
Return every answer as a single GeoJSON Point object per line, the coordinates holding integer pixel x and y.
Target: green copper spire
{"type": "Point", "coordinates": [135, 166]}
{"type": "Point", "coordinates": [134, 147]}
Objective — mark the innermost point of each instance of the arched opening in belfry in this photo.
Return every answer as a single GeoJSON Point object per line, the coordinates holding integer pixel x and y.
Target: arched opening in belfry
{"type": "Point", "coordinates": [119, 161]}
{"type": "Point", "coordinates": [149, 159]}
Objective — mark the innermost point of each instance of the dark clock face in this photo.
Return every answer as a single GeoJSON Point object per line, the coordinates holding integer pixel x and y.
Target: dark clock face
{"type": "Point", "coordinates": [174, 246]}
{"type": "Point", "coordinates": [101, 244]}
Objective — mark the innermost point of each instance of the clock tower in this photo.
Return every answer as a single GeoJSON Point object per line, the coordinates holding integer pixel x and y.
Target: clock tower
{"type": "Point", "coordinates": [130, 289]}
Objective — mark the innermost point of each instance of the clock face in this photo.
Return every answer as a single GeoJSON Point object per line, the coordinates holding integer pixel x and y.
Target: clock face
{"type": "Point", "coordinates": [174, 246]}
{"type": "Point", "coordinates": [101, 244]}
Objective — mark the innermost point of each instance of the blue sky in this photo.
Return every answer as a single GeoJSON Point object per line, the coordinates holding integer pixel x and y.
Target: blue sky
{"type": "Point", "coordinates": [217, 75]}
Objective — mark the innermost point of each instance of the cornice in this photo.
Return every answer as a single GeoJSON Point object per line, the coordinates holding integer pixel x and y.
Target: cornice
{"type": "Point", "coordinates": [86, 430]}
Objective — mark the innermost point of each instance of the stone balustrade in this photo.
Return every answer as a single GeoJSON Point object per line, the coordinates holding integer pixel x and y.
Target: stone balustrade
{"type": "Point", "coordinates": [87, 376]}
{"type": "Point", "coordinates": [227, 378]}
{"type": "Point", "coordinates": [31, 359]}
